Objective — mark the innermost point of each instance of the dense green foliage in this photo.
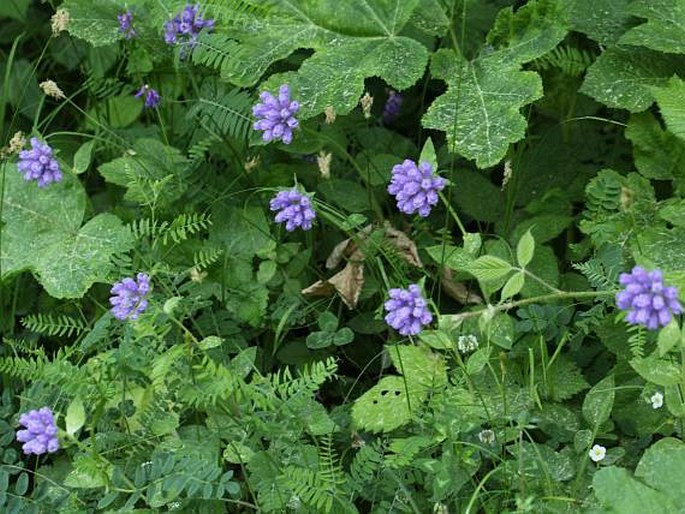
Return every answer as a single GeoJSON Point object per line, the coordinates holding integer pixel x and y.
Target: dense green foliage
{"type": "Point", "coordinates": [262, 376]}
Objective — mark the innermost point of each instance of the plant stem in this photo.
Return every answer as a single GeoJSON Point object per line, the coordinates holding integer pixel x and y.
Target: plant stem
{"type": "Point", "coordinates": [562, 295]}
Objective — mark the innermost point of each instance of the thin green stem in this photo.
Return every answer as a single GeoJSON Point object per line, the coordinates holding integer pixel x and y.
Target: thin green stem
{"type": "Point", "coordinates": [453, 213]}
{"type": "Point", "coordinates": [562, 295]}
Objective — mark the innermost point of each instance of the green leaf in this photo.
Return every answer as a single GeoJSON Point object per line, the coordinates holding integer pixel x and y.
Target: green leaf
{"type": "Point", "coordinates": [658, 154]}
{"type": "Point", "coordinates": [622, 76]}
{"type": "Point", "coordinates": [543, 266]}
{"type": "Point", "coordinates": [477, 196]}
{"type": "Point", "coordinates": [671, 100]}
{"type": "Point", "coordinates": [319, 340]}
{"type": "Point", "coordinates": [673, 211]}
{"type": "Point", "coordinates": [669, 337]}
{"type": "Point", "coordinates": [82, 157]}
{"type": "Point", "coordinates": [618, 491]}
{"type": "Point", "coordinates": [428, 154]}
{"type": "Point", "coordinates": [437, 339]}
{"type": "Point", "coordinates": [421, 367]}
{"type": "Point", "coordinates": [664, 249]}
{"type": "Point", "coordinates": [76, 416]}
{"type": "Point", "coordinates": [386, 406]}
{"type": "Point", "coordinates": [480, 110]}
{"type": "Point", "coordinates": [472, 243]}
{"type": "Point", "coordinates": [14, 9]}
{"type": "Point", "coordinates": [599, 401]}
{"type": "Point", "coordinates": [488, 267]}
{"type": "Point", "coordinates": [343, 336]}
{"type": "Point", "coordinates": [210, 342]}
{"type": "Point", "coordinates": [662, 467]}
{"type": "Point", "coordinates": [525, 249]}
{"type": "Point", "coordinates": [348, 195]}
{"type": "Point", "coordinates": [665, 27]}
{"type": "Point", "coordinates": [514, 285]}
{"type": "Point", "coordinates": [500, 330]}
{"type": "Point", "coordinates": [328, 322]}
{"type": "Point", "coordinates": [65, 257]}
{"type": "Point", "coordinates": [453, 257]}
{"type": "Point", "coordinates": [657, 370]}
{"type": "Point", "coordinates": [94, 21]}
{"type": "Point", "coordinates": [351, 41]}
{"type": "Point", "coordinates": [244, 231]}
{"type": "Point", "coordinates": [477, 361]}
{"type": "Point", "coordinates": [152, 172]}
{"type": "Point", "coordinates": [602, 20]}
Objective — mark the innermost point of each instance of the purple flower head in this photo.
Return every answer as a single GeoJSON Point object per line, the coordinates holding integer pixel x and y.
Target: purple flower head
{"type": "Point", "coordinates": [294, 208]}
{"type": "Point", "coordinates": [39, 164]}
{"type": "Point", "coordinates": [40, 435]}
{"type": "Point", "coordinates": [415, 187]}
{"type": "Point", "coordinates": [152, 97]}
{"type": "Point", "coordinates": [186, 27]}
{"type": "Point", "coordinates": [407, 310]}
{"type": "Point", "coordinates": [126, 24]}
{"type": "Point", "coordinates": [130, 297]}
{"type": "Point", "coordinates": [646, 299]}
{"type": "Point", "coordinates": [392, 107]}
{"type": "Point", "coordinates": [276, 115]}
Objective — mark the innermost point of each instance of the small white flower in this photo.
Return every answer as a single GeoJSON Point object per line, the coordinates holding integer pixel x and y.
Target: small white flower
{"type": "Point", "coordinates": [597, 453]}
{"type": "Point", "coordinates": [657, 400]}
{"type": "Point", "coordinates": [50, 88]}
{"type": "Point", "coordinates": [486, 436]}
{"type": "Point", "coordinates": [59, 21]}
{"type": "Point", "coordinates": [466, 344]}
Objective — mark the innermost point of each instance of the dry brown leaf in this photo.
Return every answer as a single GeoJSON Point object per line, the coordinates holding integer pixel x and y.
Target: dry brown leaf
{"type": "Point", "coordinates": [347, 283]}
{"type": "Point", "coordinates": [458, 290]}
{"type": "Point", "coordinates": [406, 247]}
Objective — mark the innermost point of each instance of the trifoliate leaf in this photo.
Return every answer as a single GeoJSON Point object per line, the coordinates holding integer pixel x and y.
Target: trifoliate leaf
{"type": "Point", "coordinates": [42, 233]}
{"type": "Point", "coordinates": [664, 29]}
{"type": "Point", "coordinates": [671, 101]}
{"type": "Point", "coordinates": [621, 77]}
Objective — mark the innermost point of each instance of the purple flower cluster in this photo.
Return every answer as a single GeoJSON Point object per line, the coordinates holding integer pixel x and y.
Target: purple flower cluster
{"type": "Point", "coordinates": [415, 187]}
{"type": "Point", "coordinates": [40, 435]}
{"type": "Point", "coordinates": [294, 208]}
{"type": "Point", "coordinates": [126, 24]}
{"type": "Point", "coordinates": [276, 115]}
{"type": "Point", "coordinates": [130, 297]}
{"type": "Point", "coordinates": [646, 299]}
{"type": "Point", "coordinates": [39, 164]}
{"type": "Point", "coordinates": [407, 310]}
{"type": "Point", "coordinates": [186, 27]}
{"type": "Point", "coordinates": [152, 97]}
{"type": "Point", "coordinates": [392, 107]}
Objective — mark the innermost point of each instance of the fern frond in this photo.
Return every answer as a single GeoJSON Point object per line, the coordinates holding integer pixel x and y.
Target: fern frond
{"type": "Point", "coordinates": [23, 368]}
{"type": "Point", "coordinates": [200, 148]}
{"type": "Point", "coordinates": [225, 113]}
{"type": "Point", "coordinates": [54, 325]}
{"type": "Point", "coordinates": [367, 465]}
{"type": "Point", "coordinates": [637, 340]}
{"type": "Point", "coordinates": [179, 229]}
{"type": "Point", "coordinates": [569, 60]}
{"type": "Point", "coordinates": [204, 258]}
{"type": "Point", "coordinates": [307, 383]}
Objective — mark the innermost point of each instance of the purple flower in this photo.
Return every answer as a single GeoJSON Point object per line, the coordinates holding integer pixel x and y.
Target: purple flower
{"type": "Point", "coordinates": [276, 115]}
{"type": "Point", "coordinates": [295, 209]}
{"type": "Point", "coordinates": [40, 435]}
{"type": "Point", "coordinates": [392, 107]}
{"type": "Point", "coordinates": [152, 97]}
{"type": "Point", "coordinates": [646, 299]}
{"type": "Point", "coordinates": [186, 27]}
{"type": "Point", "coordinates": [415, 188]}
{"type": "Point", "coordinates": [129, 298]}
{"type": "Point", "coordinates": [126, 24]}
{"type": "Point", "coordinates": [407, 310]}
{"type": "Point", "coordinates": [39, 164]}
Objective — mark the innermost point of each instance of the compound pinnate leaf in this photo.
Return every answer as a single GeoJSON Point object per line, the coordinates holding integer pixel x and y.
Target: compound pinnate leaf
{"type": "Point", "coordinates": [622, 76]}
{"type": "Point", "coordinates": [664, 29]}
{"type": "Point", "coordinates": [42, 233]}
